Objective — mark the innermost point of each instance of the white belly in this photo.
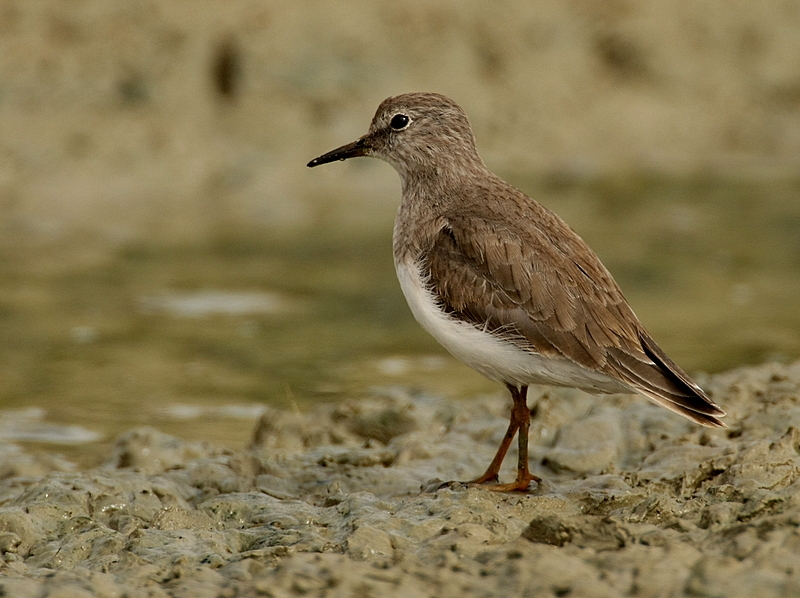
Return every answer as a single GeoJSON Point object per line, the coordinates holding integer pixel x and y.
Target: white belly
{"type": "Point", "coordinates": [494, 357]}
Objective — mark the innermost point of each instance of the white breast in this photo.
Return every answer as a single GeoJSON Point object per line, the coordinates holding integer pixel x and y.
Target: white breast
{"type": "Point", "coordinates": [490, 355]}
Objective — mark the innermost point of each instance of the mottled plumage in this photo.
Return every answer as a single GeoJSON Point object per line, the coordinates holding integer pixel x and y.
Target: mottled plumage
{"type": "Point", "coordinates": [502, 282]}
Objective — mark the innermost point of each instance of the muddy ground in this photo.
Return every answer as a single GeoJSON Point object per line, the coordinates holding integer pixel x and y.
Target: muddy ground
{"type": "Point", "coordinates": [128, 124]}
{"type": "Point", "coordinates": [347, 501]}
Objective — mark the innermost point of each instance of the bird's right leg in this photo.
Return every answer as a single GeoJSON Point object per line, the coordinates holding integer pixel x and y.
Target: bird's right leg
{"type": "Point", "coordinates": [519, 422]}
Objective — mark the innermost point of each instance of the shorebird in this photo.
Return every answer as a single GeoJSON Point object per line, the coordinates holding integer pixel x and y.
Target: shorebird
{"type": "Point", "coordinates": [503, 283]}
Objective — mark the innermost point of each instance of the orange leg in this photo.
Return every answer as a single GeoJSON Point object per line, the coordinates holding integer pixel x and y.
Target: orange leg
{"type": "Point", "coordinates": [520, 422]}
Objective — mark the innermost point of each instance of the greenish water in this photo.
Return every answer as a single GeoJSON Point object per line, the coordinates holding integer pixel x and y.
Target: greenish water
{"type": "Point", "coordinates": [103, 339]}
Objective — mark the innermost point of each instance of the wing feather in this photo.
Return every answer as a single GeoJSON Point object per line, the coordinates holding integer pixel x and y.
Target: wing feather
{"type": "Point", "coordinates": [541, 287]}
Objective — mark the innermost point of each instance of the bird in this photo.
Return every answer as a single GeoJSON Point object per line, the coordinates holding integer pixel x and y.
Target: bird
{"type": "Point", "coordinates": [503, 283]}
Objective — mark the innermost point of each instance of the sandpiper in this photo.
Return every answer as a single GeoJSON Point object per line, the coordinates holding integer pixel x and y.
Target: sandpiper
{"type": "Point", "coordinates": [503, 283]}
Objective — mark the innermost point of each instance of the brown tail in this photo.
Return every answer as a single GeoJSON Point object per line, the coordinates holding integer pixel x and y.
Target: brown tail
{"type": "Point", "coordinates": [662, 381]}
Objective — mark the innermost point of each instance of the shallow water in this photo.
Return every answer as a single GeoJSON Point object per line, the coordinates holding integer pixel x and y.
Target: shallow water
{"type": "Point", "coordinates": [196, 339]}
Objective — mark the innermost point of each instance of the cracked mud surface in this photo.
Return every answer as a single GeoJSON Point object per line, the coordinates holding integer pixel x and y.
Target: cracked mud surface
{"type": "Point", "coordinates": [635, 501]}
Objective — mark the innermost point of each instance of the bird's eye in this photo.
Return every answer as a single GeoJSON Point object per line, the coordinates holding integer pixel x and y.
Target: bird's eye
{"type": "Point", "coordinates": [399, 122]}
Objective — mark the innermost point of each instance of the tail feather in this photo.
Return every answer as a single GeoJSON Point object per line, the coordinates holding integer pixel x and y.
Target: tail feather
{"type": "Point", "coordinates": [699, 418]}
{"type": "Point", "coordinates": [661, 380]}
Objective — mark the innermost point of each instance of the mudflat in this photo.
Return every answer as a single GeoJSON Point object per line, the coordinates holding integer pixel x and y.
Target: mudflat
{"type": "Point", "coordinates": [348, 499]}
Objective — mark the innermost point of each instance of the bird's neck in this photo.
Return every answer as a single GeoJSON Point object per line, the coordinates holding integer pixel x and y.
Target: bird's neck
{"type": "Point", "coordinates": [430, 195]}
{"type": "Point", "coordinates": [435, 183]}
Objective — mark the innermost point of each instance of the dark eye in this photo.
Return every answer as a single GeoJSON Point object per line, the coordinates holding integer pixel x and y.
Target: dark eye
{"type": "Point", "coordinates": [399, 122]}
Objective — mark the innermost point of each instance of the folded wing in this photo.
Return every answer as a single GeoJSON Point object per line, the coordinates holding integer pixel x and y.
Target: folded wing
{"type": "Point", "coordinates": [554, 298]}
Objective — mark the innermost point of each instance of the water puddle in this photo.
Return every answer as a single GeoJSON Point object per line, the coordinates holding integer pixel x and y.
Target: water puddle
{"type": "Point", "coordinates": [198, 338]}
{"type": "Point", "coordinates": [207, 303]}
{"type": "Point", "coordinates": [29, 425]}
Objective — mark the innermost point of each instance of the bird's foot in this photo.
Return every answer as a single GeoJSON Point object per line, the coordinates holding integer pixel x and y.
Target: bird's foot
{"type": "Point", "coordinates": [487, 478]}
{"type": "Point", "coordinates": [521, 484]}
{"type": "Point", "coordinates": [436, 484]}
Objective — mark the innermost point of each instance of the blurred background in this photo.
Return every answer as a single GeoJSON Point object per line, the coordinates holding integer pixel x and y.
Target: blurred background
{"type": "Point", "coordinates": [167, 259]}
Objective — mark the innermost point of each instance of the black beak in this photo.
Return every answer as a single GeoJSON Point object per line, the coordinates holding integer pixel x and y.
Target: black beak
{"type": "Point", "coordinates": [359, 147]}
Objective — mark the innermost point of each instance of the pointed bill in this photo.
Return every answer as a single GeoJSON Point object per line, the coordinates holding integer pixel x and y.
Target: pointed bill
{"type": "Point", "coordinates": [357, 148]}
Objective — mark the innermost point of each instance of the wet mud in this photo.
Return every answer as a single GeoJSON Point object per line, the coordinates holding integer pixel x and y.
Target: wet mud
{"type": "Point", "coordinates": [348, 500]}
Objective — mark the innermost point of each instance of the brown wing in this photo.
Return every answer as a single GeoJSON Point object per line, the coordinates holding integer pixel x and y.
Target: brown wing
{"type": "Point", "coordinates": [544, 289]}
